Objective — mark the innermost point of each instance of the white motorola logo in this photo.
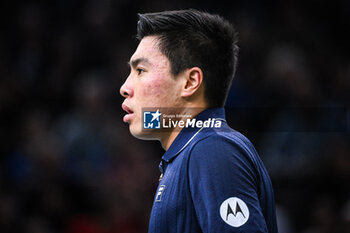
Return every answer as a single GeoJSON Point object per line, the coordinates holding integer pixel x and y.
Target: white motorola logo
{"type": "Point", "coordinates": [234, 212]}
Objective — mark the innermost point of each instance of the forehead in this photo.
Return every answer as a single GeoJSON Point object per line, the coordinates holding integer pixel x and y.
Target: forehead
{"type": "Point", "coordinates": [148, 49]}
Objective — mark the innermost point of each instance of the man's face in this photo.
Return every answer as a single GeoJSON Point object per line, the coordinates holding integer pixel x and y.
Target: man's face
{"type": "Point", "coordinates": [150, 84]}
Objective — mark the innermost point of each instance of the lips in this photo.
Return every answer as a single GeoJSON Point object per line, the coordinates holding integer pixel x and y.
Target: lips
{"type": "Point", "coordinates": [127, 109]}
{"type": "Point", "coordinates": [129, 114]}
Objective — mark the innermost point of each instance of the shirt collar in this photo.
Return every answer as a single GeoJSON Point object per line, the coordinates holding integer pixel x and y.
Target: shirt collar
{"type": "Point", "coordinates": [187, 134]}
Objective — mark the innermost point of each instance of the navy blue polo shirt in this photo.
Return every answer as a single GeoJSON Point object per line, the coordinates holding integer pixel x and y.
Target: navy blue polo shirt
{"type": "Point", "coordinates": [213, 181]}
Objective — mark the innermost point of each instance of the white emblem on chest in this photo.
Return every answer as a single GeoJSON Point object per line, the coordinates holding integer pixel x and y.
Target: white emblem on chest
{"type": "Point", "coordinates": [160, 193]}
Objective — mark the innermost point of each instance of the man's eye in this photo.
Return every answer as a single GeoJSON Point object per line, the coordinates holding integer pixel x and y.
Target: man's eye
{"type": "Point", "coordinates": [139, 71]}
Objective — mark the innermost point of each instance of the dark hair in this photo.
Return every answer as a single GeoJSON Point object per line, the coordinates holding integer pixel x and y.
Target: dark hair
{"type": "Point", "coordinates": [191, 38]}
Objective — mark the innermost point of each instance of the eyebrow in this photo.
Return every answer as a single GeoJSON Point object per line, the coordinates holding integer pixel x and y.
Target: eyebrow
{"type": "Point", "coordinates": [137, 61]}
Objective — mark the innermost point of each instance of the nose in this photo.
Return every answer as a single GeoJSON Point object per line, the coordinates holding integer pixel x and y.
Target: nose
{"type": "Point", "coordinates": [126, 90]}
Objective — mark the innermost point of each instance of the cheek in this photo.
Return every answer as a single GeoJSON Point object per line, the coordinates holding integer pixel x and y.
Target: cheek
{"type": "Point", "coordinates": [157, 90]}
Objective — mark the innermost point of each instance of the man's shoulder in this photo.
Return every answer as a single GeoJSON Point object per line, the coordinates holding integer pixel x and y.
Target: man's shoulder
{"type": "Point", "coordinates": [224, 137]}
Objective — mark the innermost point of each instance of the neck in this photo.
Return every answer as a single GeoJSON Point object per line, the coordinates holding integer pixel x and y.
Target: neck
{"type": "Point", "coordinates": [167, 139]}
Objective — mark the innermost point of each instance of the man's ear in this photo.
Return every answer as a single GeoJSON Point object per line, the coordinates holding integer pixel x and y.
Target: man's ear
{"type": "Point", "coordinates": [193, 81]}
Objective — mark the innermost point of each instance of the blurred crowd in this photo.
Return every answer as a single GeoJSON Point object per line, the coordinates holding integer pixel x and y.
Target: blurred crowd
{"type": "Point", "coordinates": [68, 162]}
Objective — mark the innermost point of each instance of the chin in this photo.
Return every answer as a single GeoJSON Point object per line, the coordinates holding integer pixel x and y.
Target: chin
{"type": "Point", "coordinates": [138, 133]}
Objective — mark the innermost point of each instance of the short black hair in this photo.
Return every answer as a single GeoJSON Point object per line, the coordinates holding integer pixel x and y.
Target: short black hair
{"type": "Point", "coordinates": [191, 38]}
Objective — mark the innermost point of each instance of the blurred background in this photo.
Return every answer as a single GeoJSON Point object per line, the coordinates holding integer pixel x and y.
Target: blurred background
{"type": "Point", "coordinates": [68, 162]}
